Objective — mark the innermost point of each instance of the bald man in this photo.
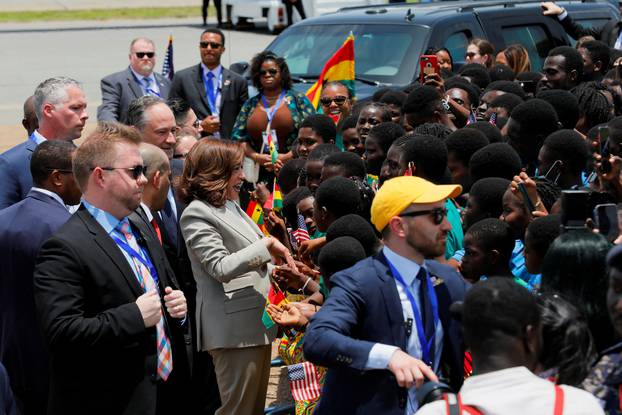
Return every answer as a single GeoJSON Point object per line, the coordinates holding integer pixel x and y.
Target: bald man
{"type": "Point", "coordinates": [138, 79]}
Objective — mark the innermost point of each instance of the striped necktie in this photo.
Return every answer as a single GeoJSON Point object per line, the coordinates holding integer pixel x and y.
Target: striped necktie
{"type": "Point", "coordinates": [165, 357]}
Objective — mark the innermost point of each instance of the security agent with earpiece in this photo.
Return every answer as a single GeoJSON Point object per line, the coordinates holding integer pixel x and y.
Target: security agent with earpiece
{"type": "Point", "coordinates": [386, 326]}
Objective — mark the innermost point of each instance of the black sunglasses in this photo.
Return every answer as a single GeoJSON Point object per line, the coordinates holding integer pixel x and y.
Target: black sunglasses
{"type": "Point", "coordinates": [438, 214]}
{"type": "Point", "coordinates": [270, 71]}
{"type": "Point", "coordinates": [339, 100]}
{"type": "Point", "coordinates": [135, 171]}
{"type": "Point", "coordinates": [213, 45]}
{"type": "Point", "coordinates": [141, 55]}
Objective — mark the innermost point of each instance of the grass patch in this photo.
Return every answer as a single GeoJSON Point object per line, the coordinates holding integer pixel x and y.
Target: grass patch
{"type": "Point", "coordinates": [104, 14]}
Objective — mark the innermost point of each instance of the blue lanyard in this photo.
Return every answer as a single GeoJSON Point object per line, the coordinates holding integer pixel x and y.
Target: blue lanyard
{"type": "Point", "coordinates": [270, 113]}
{"type": "Point", "coordinates": [426, 344]}
{"type": "Point", "coordinates": [212, 93]}
{"type": "Point", "coordinates": [143, 260]}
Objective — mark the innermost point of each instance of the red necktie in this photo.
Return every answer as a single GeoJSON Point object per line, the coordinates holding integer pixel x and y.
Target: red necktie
{"type": "Point", "coordinates": [154, 223]}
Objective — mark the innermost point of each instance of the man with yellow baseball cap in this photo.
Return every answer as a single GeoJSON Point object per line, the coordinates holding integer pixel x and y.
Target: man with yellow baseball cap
{"type": "Point", "coordinates": [386, 325]}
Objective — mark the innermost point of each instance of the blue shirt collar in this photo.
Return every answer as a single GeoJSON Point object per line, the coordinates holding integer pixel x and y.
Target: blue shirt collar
{"type": "Point", "coordinates": [216, 71]}
{"type": "Point", "coordinates": [407, 268]}
{"type": "Point", "coordinates": [105, 219]}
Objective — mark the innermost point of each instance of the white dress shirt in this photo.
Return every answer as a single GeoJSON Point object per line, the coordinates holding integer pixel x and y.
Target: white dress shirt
{"type": "Point", "coordinates": [380, 354]}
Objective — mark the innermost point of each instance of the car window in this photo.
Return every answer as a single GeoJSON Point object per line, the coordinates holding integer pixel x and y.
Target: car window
{"type": "Point", "coordinates": [457, 44]}
{"type": "Point", "coordinates": [383, 53]}
{"type": "Point", "coordinates": [533, 38]}
{"type": "Point", "coordinates": [587, 23]}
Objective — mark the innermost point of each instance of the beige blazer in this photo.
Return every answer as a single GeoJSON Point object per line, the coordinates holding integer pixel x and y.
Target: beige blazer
{"type": "Point", "coordinates": [230, 264]}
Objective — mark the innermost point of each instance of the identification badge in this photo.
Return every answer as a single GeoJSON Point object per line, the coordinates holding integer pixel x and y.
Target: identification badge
{"type": "Point", "coordinates": [266, 146]}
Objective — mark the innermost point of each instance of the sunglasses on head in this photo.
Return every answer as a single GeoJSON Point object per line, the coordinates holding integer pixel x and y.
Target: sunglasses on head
{"type": "Point", "coordinates": [213, 45]}
{"type": "Point", "coordinates": [141, 55]}
{"type": "Point", "coordinates": [339, 100]}
{"type": "Point", "coordinates": [135, 171]}
{"type": "Point", "coordinates": [270, 71]}
{"type": "Point", "coordinates": [438, 214]}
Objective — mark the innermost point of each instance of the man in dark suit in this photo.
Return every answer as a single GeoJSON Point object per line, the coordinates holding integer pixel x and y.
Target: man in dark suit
{"type": "Point", "coordinates": [386, 324]}
{"type": "Point", "coordinates": [121, 88]}
{"type": "Point", "coordinates": [108, 302]}
{"type": "Point", "coordinates": [24, 227]}
{"type": "Point", "coordinates": [215, 94]}
{"type": "Point", "coordinates": [610, 33]}
{"type": "Point", "coordinates": [60, 106]}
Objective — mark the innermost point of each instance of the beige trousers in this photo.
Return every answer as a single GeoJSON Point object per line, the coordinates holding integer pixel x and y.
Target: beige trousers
{"type": "Point", "coordinates": [242, 376]}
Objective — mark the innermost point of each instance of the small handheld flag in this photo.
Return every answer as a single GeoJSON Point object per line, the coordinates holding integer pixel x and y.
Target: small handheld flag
{"type": "Point", "coordinates": [255, 211]}
{"type": "Point", "coordinates": [275, 297]}
{"type": "Point", "coordinates": [301, 234]}
{"type": "Point", "coordinates": [340, 67]}
{"type": "Point", "coordinates": [303, 381]}
{"type": "Point", "coordinates": [168, 70]}
{"type": "Point", "coordinates": [277, 197]}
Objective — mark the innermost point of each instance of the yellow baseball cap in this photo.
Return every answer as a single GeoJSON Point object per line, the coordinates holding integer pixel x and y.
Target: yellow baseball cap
{"type": "Point", "coordinates": [398, 193]}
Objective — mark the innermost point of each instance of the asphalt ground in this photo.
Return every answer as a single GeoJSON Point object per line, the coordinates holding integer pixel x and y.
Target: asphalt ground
{"type": "Point", "coordinates": [90, 50]}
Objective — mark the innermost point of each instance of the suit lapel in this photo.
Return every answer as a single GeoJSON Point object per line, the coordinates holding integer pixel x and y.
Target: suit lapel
{"type": "Point", "coordinates": [131, 82]}
{"type": "Point", "coordinates": [201, 88]}
{"type": "Point", "coordinates": [231, 221]}
{"type": "Point", "coordinates": [391, 300]}
{"type": "Point", "coordinates": [110, 249]}
{"type": "Point", "coordinates": [226, 85]}
{"type": "Point", "coordinates": [164, 87]}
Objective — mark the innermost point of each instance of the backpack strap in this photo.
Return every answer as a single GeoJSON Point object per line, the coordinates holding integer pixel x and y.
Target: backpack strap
{"type": "Point", "coordinates": [454, 406]}
{"type": "Point", "coordinates": [558, 409]}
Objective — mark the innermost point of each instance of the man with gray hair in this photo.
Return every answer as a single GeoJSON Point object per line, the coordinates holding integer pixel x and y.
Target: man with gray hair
{"type": "Point", "coordinates": [155, 122]}
{"type": "Point", "coordinates": [60, 107]}
{"type": "Point", "coordinates": [121, 88]}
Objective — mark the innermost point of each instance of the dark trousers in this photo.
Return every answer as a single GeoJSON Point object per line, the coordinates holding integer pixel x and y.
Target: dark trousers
{"type": "Point", "coordinates": [290, 10]}
{"type": "Point", "coordinates": [218, 4]}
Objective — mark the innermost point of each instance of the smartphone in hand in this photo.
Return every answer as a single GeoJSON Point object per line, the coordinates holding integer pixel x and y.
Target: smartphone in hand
{"type": "Point", "coordinates": [428, 65]}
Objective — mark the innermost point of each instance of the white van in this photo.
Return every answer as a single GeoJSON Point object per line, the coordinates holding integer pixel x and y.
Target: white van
{"type": "Point", "coordinates": [273, 11]}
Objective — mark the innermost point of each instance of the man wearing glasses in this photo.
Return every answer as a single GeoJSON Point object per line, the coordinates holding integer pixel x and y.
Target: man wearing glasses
{"type": "Point", "coordinates": [386, 326]}
{"type": "Point", "coordinates": [215, 93]}
{"type": "Point", "coordinates": [109, 305]}
{"type": "Point", "coordinates": [121, 88]}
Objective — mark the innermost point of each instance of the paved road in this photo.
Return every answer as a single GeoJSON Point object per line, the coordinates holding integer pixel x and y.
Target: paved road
{"type": "Point", "coordinates": [22, 5]}
{"type": "Point", "coordinates": [87, 51]}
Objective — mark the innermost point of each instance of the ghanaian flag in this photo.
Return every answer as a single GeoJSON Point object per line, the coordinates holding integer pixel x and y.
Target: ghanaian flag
{"type": "Point", "coordinates": [340, 67]}
{"type": "Point", "coordinates": [276, 297]}
{"type": "Point", "coordinates": [277, 197]}
{"type": "Point", "coordinates": [255, 211]}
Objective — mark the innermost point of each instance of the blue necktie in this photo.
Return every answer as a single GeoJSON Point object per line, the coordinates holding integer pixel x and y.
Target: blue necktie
{"type": "Point", "coordinates": [427, 315]}
{"type": "Point", "coordinates": [211, 94]}
{"type": "Point", "coordinates": [148, 88]}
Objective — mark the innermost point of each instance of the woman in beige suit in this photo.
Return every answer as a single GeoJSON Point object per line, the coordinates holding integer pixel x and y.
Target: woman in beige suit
{"type": "Point", "coordinates": [231, 263]}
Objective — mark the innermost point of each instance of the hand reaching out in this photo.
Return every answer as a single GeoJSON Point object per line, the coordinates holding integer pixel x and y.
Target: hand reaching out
{"type": "Point", "coordinates": [287, 315]}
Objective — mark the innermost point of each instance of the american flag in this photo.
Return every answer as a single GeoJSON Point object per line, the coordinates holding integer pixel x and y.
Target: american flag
{"type": "Point", "coordinates": [493, 119]}
{"type": "Point", "coordinates": [471, 118]}
{"type": "Point", "coordinates": [168, 70]}
{"type": "Point", "coordinates": [301, 234]}
{"type": "Point", "coordinates": [303, 380]}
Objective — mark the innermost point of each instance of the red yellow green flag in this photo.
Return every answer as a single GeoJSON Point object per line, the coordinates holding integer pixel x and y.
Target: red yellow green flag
{"type": "Point", "coordinates": [340, 67]}
{"type": "Point", "coordinates": [274, 154]}
{"type": "Point", "coordinates": [277, 197]}
{"type": "Point", "coordinates": [276, 297]}
{"type": "Point", "coordinates": [255, 211]}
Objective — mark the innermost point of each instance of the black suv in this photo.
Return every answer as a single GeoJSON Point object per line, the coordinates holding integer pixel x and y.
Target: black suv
{"type": "Point", "coordinates": [390, 38]}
